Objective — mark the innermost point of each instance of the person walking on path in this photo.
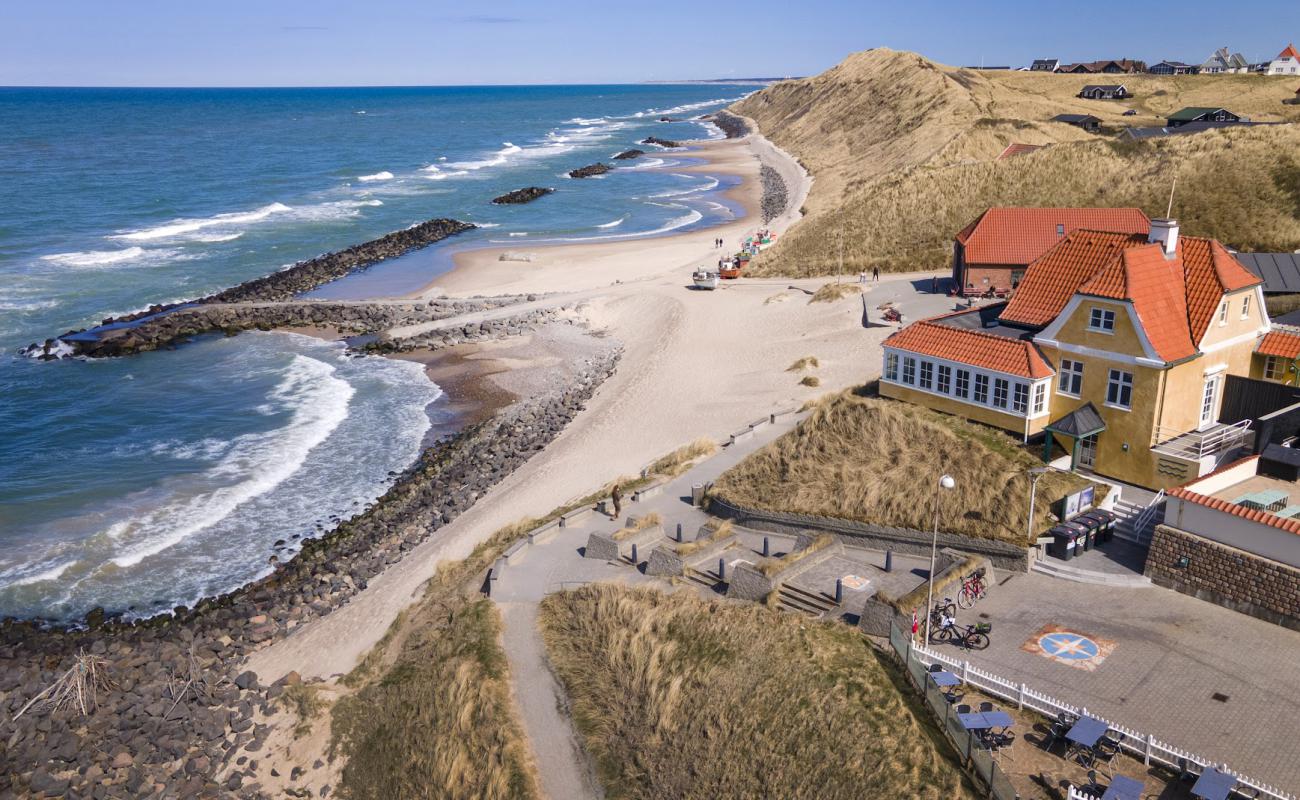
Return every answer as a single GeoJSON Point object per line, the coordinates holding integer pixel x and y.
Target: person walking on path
{"type": "Point", "coordinates": [616, 496]}
{"type": "Point", "coordinates": [862, 277]}
{"type": "Point", "coordinates": [875, 274]}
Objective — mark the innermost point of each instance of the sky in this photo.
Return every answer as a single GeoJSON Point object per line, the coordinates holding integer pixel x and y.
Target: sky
{"type": "Point", "coordinates": [408, 42]}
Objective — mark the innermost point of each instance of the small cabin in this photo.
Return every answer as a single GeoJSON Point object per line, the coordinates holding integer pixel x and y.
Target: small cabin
{"type": "Point", "coordinates": [1109, 91]}
{"type": "Point", "coordinates": [1088, 122]}
{"type": "Point", "coordinates": [1201, 114]}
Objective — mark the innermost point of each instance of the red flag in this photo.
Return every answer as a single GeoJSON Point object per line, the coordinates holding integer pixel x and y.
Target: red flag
{"type": "Point", "coordinates": [916, 624]}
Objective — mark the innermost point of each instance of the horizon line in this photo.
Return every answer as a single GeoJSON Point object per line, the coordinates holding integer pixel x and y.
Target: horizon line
{"type": "Point", "coordinates": [388, 85]}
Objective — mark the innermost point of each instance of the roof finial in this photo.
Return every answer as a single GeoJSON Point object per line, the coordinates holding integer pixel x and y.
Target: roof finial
{"type": "Point", "coordinates": [1169, 212]}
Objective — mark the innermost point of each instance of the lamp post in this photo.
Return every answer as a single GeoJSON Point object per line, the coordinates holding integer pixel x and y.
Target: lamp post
{"type": "Point", "coordinates": [946, 482]}
{"type": "Point", "coordinates": [1034, 475]}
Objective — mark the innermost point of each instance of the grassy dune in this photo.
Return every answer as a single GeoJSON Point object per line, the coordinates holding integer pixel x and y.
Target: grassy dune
{"type": "Point", "coordinates": [875, 460]}
{"type": "Point", "coordinates": [903, 154]}
{"type": "Point", "coordinates": [679, 697]}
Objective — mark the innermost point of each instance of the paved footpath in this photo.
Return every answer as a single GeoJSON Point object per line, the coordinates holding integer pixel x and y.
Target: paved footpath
{"type": "Point", "coordinates": [1217, 683]}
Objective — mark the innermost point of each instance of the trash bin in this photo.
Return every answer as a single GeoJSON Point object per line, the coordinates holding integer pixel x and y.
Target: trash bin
{"type": "Point", "coordinates": [1103, 522]}
{"type": "Point", "coordinates": [1090, 528]}
{"type": "Point", "coordinates": [1062, 545]}
{"type": "Point", "coordinates": [1080, 533]}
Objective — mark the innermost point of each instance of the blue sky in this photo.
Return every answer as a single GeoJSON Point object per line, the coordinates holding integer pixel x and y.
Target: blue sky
{"type": "Point", "coordinates": [392, 42]}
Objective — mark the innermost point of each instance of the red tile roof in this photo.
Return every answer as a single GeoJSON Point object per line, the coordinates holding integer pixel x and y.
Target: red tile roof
{"type": "Point", "coordinates": [1052, 280]}
{"type": "Point", "coordinates": [1285, 344]}
{"type": "Point", "coordinates": [1289, 52]}
{"type": "Point", "coordinates": [1018, 149]}
{"type": "Point", "coordinates": [1175, 299]}
{"type": "Point", "coordinates": [1021, 235]}
{"type": "Point", "coordinates": [1017, 357]}
{"type": "Point", "coordinates": [1262, 517]}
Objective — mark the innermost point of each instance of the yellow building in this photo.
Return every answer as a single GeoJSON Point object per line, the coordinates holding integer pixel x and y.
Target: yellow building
{"type": "Point", "coordinates": [1116, 346]}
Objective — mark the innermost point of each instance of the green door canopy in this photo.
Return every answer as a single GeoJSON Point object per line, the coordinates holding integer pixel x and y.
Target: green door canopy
{"type": "Point", "coordinates": [1081, 422]}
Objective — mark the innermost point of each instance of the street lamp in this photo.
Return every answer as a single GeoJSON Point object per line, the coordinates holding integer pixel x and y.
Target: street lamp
{"type": "Point", "coordinates": [946, 482]}
{"type": "Point", "coordinates": [1034, 475]}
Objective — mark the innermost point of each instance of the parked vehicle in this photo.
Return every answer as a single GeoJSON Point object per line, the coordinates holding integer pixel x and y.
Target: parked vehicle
{"type": "Point", "coordinates": [971, 637]}
{"type": "Point", "coordinates": [972, 589]}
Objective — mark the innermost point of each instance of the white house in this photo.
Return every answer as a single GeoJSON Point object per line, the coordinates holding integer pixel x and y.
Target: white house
{"type": "Point", "coordinates": [1222, 62]}
{"type": "Point", "coordinates": [1286, 63]}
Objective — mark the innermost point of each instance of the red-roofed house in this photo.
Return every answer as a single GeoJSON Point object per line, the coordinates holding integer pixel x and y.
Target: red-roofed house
{"type": "Point", "coordinates": [1115, 345]}
{"type": "Point", "coordinates": [1286, 63]}
{"type": "Point", "coordinates": [991, 254]}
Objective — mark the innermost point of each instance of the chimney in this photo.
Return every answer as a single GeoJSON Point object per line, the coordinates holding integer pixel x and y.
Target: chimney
{"type": "Point", "coordinates": [1165, 232]}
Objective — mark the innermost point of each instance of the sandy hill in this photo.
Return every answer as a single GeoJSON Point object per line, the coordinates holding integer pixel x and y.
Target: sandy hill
{"type": "Point", "coordinates": [903, 153]}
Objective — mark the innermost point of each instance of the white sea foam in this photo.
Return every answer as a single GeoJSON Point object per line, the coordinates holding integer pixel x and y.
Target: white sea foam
{"type": "Point", "coordinates": [214, 238]}
{"type": "Point", "coordinates": [517, 233]}
{"type": "Point", "coordinates": [8, 304]}
{"type": "Point", "coordinates": [711, 131]}
{"type": "Point", "coordinates": [706, 187]}
{"type": "Point", "coordinates": [496, 159]}
{"type": "Point", "coordinates": [378, 176]}
{"type": "Point", "coordinates": [615, 223]}
{"type": "Point", "coordinates": [442, 176]}
{"type": "Point", "coordinates": [98, 259]}
{"type": "Point", "coordinates": [180, 227]}
{"type": "Point", "coordinates": [689, 218]}
{"type": "Point", "coordinates": [254, 465]}
{"type": "Point", "coordinates": [46, 574]}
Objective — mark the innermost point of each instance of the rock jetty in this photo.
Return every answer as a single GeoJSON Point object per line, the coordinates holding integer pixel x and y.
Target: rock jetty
{"type": "Point", "coordinates": [732, 126]}
{"type": "Point", "coordinates": [590, 170]}
{"type": "Point", "coordinates": [629, 154]}
{"type": "Point", "coordinates": [660, 142]}
{"type": "Point", "coordinates": [526, 195]}
{"type": "Point", "coordinates": [775, 195]}
{"type": "Point", "coordinates": [174, 708]}
{"type": "Point", "coordinates": [491, 329]}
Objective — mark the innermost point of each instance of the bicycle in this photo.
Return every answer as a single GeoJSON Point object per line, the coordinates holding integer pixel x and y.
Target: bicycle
{"type": "Point", "coordinates": [971, 637]}
{"type": "Point", "coordinates": [972, 589]}
{"type": "Point", "coordinates": [942, 609]}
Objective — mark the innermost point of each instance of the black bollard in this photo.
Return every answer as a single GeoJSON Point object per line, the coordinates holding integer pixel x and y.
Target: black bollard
{"type": "Point", "coordinates": [767, 549]}
{"type": "Point", "coordinates": [634, 559]}
{"type": "Point", "coordinates": [722, 569]}
{"type": "Point", "coordinates": [889, 561]}
{"type": "Point", "coordinates": [839, 591]}
{"type": "Point", "coordinates": [679, 532]}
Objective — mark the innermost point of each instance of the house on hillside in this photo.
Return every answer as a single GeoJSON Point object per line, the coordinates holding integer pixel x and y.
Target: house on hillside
{"type": "Point", "coordinates": [1189, 128]}
{"type": "Point", "coordinates": [991, 254]}
{"type": "Point", "coordinates": [1123, 66]}
{"type": "Point", "coordinates": [1116, 346]}
{"type": "Point", "coordinates": [1221, 63]}
{"type": "Point", "coordinates": [1286, 63]}
{"type": "Point", "coordinates": [1201, 114]}
{"type": "Point", "coordinates": [1104, 91]}
{"type": "Point", "coordinates": [1088, 122]}
{"type": "Point", "coordinates": [1017, 149]}
{"type": "Point", "coordinates": [1173, 68]}
{"type": "Point", "coordinates": [1045, 65]}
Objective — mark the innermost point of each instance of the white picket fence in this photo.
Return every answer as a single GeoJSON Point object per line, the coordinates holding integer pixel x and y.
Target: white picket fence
{"type": "Point", "coordinates": [1140, 745]}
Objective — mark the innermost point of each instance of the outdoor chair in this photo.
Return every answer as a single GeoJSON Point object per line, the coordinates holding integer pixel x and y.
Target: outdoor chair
{"type": "Point", "coordinates": [935, 667]}
{"type": "Point", "coordinates": [1004, 739]}
{"type": "Point", "coordinates": [963, 709]}
{"type": "Point", "coordinates": [986, 706]}
{"type": "Point", "coordinates": [1056, 734]}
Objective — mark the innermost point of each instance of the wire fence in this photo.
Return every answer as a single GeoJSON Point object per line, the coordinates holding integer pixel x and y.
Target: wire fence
{"type": "Point", "coordinates": [1140, 745]}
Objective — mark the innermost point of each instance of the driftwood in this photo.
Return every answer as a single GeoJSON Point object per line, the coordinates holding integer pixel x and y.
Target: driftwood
{"type": "Point", "coordinates": [77, 688]}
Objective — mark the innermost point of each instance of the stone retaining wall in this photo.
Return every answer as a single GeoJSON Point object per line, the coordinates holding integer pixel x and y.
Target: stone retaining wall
{"type": "Point", "coordinates": [950, 567]}
{"type": "Point", "coordinates": [880, 537]}
{"type": "Point", "coordinates": [1225, 576]}
{"type": "Point", "coordinates": [150, 738]}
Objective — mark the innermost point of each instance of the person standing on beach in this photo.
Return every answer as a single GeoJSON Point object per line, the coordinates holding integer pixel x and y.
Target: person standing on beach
{"type": "Point", "coordinates": [875, 274]}
{"type": "Point", "coordinates": [862, 277]}
{"type": "Point", "coordinates": [616, 496]}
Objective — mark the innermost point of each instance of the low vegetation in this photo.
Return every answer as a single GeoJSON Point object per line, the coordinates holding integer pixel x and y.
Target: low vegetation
{"type": "Point", "coordinates": [903, 151]}
{"type": "Point", "coordinates": [807, 362]}
{"type": "Point", "coordinates": [305, 701]}
{"type": "Point", "coordinates": [831, 292]}
{"type": "Point", "coordinates": [637, 525]}
{"type": "Point", "coordinates": [775, 566]}
{"type": "Point", "coordinates": [681, 459]}
{"type": "Point", "coordinates": [676, 696]}
{"type": "Point", "coordinates": [876, 460]}
{"type": "Point", "coordinates": [811, 381]}
{"type": "Point", "coordinates": [1279, 304]}
{"type": "Point", "coordinates": [717, 532]}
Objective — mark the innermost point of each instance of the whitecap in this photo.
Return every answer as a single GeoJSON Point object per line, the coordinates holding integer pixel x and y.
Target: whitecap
{"type": "Point", "coordinates": [671, 225]}
{"type": "Point", "coordinates": [517, 233]}
{"type": "Point", "coordinates": [254, 464]}
{"type": "Point", "coordinates": [48, 574]}
{"type": "Point", "coordinates": [181, 227]}
{"type": "Point", "coordinates": [94, 259]}
{"type": "Point", "coordinates": [214, 238]}
{"type": "Point", "coordinates": [615, 223]}
{"type": "Point", "coordinates": [378, 176]}
{"type": "Point", "coordinates": [442, 176]}
{"type": "Point", "coordinates": [497, 158]}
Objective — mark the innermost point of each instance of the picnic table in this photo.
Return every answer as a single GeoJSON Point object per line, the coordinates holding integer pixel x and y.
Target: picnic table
{"type": "Point", "coordinates": [1265, 500]}
{"type": "Point", "coordinates": [1122, 788]}
{"type": "Point", "coordinates": [980, 720]}
{"type": "Point", "coordinates": [1214, 785]}
{"type": "Point", "coordinates": [1087, 732]}
{"type": "Point", "coordinates": [945, 679]}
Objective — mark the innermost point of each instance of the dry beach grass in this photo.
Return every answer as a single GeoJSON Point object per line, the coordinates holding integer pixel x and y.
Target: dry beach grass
{"type": "Point", "coordinates": [681, 697]}
{"type": "Point", "coordinates": [873, 460]}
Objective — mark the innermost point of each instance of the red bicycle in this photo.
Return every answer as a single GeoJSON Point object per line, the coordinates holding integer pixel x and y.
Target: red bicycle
{"type": "Point", "coordinates": [972, 588]}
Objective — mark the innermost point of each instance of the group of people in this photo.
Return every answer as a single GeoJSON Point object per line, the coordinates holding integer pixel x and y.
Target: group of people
{"type": "Point", "coordinates": [717, 243]}
{"type": "Point", "coordinates": [875, 275]}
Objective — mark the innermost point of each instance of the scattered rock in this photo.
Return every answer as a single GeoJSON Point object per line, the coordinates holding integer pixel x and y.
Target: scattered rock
{"type": "Point", "coordinates": [590, 170]}
{"type": "Point", "coordinates": [246, 680]}
{"type": "Point", "coordinates": [525, 195]}
{"type": "Point", "coordinates": [661, 142]}
{"type": "Point", "coordinates": [627, 155]}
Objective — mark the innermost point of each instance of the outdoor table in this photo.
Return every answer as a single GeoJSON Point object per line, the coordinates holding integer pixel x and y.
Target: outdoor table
{"type": "Point", "coordinates": [979, 720]}
{"type": "Point", "coordinates": [1087, 731]}
{"type": "Point", "coordinates": [945, 679]}
{"type": "Point", "coordinates": [1122, 788]}
{"type": "Point", "coordinates": [1214, 785]}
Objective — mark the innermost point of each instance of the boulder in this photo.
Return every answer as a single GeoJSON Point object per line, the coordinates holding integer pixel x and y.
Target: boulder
{"type": "Point", "coordinates": [627, 155]}
{"type": "Point", "coordinates": [660, 142]}
{"type": "Point", "coordinates": [590, 170]}
{"type": "Point", "coordinates": [519, 196]}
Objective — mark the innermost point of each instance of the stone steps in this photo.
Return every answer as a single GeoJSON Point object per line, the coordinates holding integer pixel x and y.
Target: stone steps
{"type": "Point", "coordinates": [702, 578]}
{"type": "Point", "coordinates": [794, 599]}
{"type": "Point", "coordinates": [1062, 570]}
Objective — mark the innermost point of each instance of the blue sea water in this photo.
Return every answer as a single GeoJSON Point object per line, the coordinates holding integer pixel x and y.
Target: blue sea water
{"type": "Point", "coordinates": [139, 483]}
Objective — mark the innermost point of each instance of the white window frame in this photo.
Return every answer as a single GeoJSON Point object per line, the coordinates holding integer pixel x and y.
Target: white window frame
{"type": "Point", "coordinates": [1275, 369]}
{"type": "Point", "coordinates": [981, 388]}
{"type": "Point", "coordinates": [961, 384]}
{"type": "Point", "coordinates": [1101, 320]}
{"type": "Point", "coordinates": [1020, 397]}
{"type": "Point", "coordinates": [1210, 401]}
{"type": "Point", "coordinates": [943, 378]}
{"type": "Point", "coordinates": [1073, 370]}
{"type": "Point", "coordinates": [1223, 313]}
{"type": "Point", "coordinates": [964, 382]}
{"type": "Point", "coordinates": [1116, 382]}
{"type": "Point", "coordinates": [909, 371]}
{"type": "Point", "coordinates": [1245, 307]}
{"type": "Point", "coordinates": [1040, 399]}
{"type": "Point", "coordinates": [926, 380]}
{"type": "Point", "coordinates": [891, 366]}
{"type": "Point", "coordinates": [1001, 393]}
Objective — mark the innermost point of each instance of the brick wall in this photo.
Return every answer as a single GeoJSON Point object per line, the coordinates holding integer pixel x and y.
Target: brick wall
{"type": "Point", "coordinates": [1225, 576]}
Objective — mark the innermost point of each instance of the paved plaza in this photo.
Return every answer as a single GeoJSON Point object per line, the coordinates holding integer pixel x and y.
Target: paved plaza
{"type": "Point", "coordinates": [1200, 677]}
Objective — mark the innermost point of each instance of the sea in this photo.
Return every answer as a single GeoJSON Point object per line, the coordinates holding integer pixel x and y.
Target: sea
{"type": "Point", "coordinates": [137, 484]}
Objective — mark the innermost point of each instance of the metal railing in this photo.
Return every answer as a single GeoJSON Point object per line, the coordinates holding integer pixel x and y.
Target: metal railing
{"type": "Point", "coordinates": [1195, 445]}
{"type": "Point", "coordinates": [1140, 745]}
{"type": "Point", "coordinates": [1138, 525]}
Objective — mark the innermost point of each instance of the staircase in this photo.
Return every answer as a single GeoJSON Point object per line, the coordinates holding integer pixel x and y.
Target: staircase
{"type": "Point", "coordinates": [1136, 523]}
{"type": "Point", "coordinates": [1062, 570]}
{"type": "Point", "coordinates": [702, 577]}
{"type": "Point", "coordinates": [792, 598]}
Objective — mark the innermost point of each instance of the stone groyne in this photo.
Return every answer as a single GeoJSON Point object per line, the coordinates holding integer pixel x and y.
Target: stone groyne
{"type": "Point", "coordinates": [732, 126]}
{"type": "Point", "coordinates": [775, 195]}
{"type": "Point", "coordinates": [172, 710]}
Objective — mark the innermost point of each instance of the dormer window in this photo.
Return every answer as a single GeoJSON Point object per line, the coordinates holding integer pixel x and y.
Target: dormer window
{"type": "Point", "coordinates": [1245, 307]}
{"type": "Point", "coordinates": [1223, 313]}
{"type": "Point", "coordinates": [1060, 229]}
{"type": "Point", "coordinates": [1102, 320]}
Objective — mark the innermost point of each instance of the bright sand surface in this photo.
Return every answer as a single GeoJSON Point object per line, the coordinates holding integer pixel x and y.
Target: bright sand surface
{"type": "Point", "coordinates": [695, 363]}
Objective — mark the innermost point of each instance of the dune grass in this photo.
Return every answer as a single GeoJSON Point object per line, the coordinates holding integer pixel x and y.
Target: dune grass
{"type": "Point", "coordinates": [903, 152]}
{"type": "Point", "coordinates": [680, 697]}
{"type": "Point", "coordinates": [305, 702]}
{"type": "Point", "coordinates": [775, 566]}
{"type": "Point", "coordinates": [811, 381]}
{"type": "Point", "coordinates": [830, 292]}
{"type": "Point", "coordinates": [717, 532]}
{"type": "Point", "coordinates": [681, 459]}
{"type": "Point", "coordinates": [876, 460]}
{"type": "Point", "coordinates": [807, 362]}
{"type": "Point", "coordinates": [1279, 304]}
{"type": "Point", "coordinates": [640, 524]}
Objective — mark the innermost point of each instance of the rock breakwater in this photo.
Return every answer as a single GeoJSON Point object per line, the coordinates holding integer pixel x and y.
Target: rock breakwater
{"type": "Point", "coordinates": [519, 196]}
{"type": "Point", "coordinates": [775, 194]}
{"type": "Point", "coordinates": [628, 155]}
{"type": "Point", "coordinates": [174, 709]}
{"type": "Point", "coordinates": [661, 142]}
{"type": "Point", "coordinates": [590, 170]}
{"type": "Point", "coordinates": [732, 126]}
